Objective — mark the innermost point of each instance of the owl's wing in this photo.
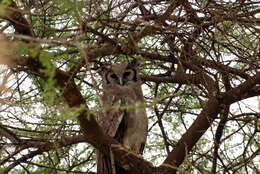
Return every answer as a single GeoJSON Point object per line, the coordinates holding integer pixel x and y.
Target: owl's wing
{"type": "Point", "coordinates": [110, 123]}
{"type": "Point", "coordinates": [112, 116]}
{"type": "Point", "coordinates": [113, 123]}
{"type": "Point", "coordinates": [114, 97]}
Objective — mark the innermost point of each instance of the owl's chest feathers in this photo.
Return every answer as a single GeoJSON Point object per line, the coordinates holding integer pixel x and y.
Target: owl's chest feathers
{"type": "Point", "coordinates": [124, 119]}
{"type": "Point", "coordinates": [116, 108]}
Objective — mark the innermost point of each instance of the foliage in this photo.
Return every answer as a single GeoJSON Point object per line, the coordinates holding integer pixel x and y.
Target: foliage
{"type": "Point", "coordinates": [189, 53]}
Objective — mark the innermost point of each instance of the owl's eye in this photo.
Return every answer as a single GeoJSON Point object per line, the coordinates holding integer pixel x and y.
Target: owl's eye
{"type": "Point", "coordinates": [114, 76]}
{"type": "Point", "coordinates": [126, 74]}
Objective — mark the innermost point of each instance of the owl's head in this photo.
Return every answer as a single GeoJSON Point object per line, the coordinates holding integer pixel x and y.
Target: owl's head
{"type": "Point", "coordinates": [120, 74]}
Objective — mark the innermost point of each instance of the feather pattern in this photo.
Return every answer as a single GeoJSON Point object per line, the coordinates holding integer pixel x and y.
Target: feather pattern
{"type": "Point", "coordinates": [121, 118]}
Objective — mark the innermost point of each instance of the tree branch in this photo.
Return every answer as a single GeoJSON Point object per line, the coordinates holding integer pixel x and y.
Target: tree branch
{"type": "Point", "coordinates": [244, 90]}
{"type": "Point", "coordinates": [193, 134]}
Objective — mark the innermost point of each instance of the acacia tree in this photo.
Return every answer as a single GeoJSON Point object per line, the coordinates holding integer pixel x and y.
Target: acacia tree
{"type": "Point", "coordinates": [196, 59]}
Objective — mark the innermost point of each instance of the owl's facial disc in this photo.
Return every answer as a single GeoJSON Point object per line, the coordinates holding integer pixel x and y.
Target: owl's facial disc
{"type": "Point", "coordinates": [114, 76]}
{"type": "Point", "coordinates": [126, 74]}
{"type": "Point", "coordinates": [116, 79]}
{"type": "Point", "coordinates": [125, 77]}
{"type": "Point", "coordinates": [121, 75]}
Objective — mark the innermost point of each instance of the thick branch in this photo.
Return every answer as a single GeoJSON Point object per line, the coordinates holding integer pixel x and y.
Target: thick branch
{"type": "Point", "coordinates": [127, 159]}
{"type": "Point", "coordinates": [16, 18]}
{"type": "Point", "coordinates": [182, 78]}
{"type": "Point", "coordinates": [243, 91]}
{"type": "Point", "coordinates": [223, 120]}
{"type": "Point", "coordinates": [8, 134]}
{"type": "Point", "coordinates": [206, 117]}
{"type": "Point", "coordinates": [193, 134]}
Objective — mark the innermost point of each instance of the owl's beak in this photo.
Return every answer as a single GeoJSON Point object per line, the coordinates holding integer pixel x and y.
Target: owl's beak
{"type": "Point", "coordinates": [121, 82]}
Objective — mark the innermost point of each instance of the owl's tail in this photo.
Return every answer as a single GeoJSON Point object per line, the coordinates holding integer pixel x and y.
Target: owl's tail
{"type": "Point", "coordinates": [106, 165]}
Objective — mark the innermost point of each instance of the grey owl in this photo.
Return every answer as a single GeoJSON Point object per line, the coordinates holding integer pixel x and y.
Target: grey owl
{"type": "Point", "coordinates": [122, 119]}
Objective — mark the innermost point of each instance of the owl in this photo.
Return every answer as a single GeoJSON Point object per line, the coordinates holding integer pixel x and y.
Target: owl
{"type": "Point", "coordinates": [122, 117]}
